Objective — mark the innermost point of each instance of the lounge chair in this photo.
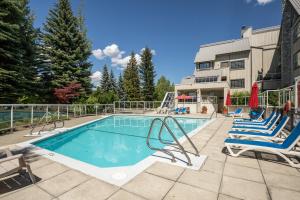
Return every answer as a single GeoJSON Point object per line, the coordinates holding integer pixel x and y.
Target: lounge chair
{"type": "Point", "coordinates": [12, 164]}
{"type": "Point", "coordinates": [259, 128]}
{"type": "Point", "coordinates": [158, 110]}
{"type": "Point", "coordinates": [183, 111]}
{"type": "Point", "coordinates": [273, 136]}
{"type": "Point", "coordinates": [164, 110]}
{"type": "Point", "coordinates": [290, 146]}
{"type": "Point", "coordinates": [263, 122]}
{"type": "Point", "coordinates": [177, 110]}
{"type": "Point", "coordinates": [257, 118]}
{"type": "Point", "coordinates": [237, 113]}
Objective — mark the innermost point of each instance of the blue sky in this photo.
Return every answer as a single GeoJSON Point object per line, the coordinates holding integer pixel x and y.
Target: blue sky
{"type": "Point", "coordinates": [174, 29]}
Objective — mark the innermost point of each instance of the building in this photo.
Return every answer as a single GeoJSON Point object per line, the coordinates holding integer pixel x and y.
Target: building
{"type": "Point", "coordinates": [269, 56]}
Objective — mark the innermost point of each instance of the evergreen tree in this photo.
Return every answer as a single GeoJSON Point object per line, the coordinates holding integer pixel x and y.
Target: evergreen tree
{"type": "Point", "coordinates": [10, 55]}
{"type": "Point", "coordinates": [105, 84]}
{"type": "Point", "coordinates": [67, 48]}
{"type": "Point", "coordinates": [131, 80]}
{"type": "Point", "coordinates": [163, 85]}
{"type": "Point", "coordinates": [147, 75]}
{"type": "Point", "coordinates": [120, 89]}
{"type": "Point", "coordinates": [112, 82]}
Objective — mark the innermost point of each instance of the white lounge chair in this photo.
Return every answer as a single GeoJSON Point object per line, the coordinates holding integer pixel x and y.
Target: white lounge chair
{"type": "Point", "coordinates": [288, 147]}
{"type": "Point", "coordinates": [12, 164]}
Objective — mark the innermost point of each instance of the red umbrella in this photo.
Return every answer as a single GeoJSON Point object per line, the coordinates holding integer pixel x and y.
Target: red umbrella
{"type": "Point", "coordinates": [183, 97]}
{"type": "Point", "coordinates": [253, 103]}
{"type": "Point", "coordinates": [228, 99]}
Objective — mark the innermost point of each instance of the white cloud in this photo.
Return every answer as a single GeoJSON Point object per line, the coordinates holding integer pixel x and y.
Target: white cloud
{"type": "Point", "coordinates": [98, 53]}
{"type": "Point", "coordinates": [96, 78]}
{"type": "Point", "coordinates": [260, 2]}
{"type": "Point", "coordinates": [116, 56]}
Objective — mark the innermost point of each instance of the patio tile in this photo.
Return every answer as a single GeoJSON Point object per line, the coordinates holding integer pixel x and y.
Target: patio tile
{"type": "Point", "coordinates": [213, 166]}
{"type": "Point", "coordinates": [28, 193]}
{"type": "Point", "coordinates": [63, 182]}
{"type": "Point", "coordinates": [247, 162]}
{"type": "Point", "coordinates": [226, 197]}
{"type": "Point", "coordinates": [282, 181]}
{"type": "Point", "coordinates": [268, 166]}
{"type": "Point", "coordinates": [203, 179]}
{"type": "Point", "coordinates": [90, 190]}
{"type": "Point", "coordinates": [165, 170]}
{"type": "Point", "coordinates": [39, 163]}
{"type": "Point", "coordinates": [244, 189]}
{"type": "Point", "coordinates": [218, 156]}
{"type": "Point", "coordinates": [186, 192]}
{"type": "Point", "coordinates": [149, 186]}
{"type": "Point", "coordinates": [243, 172]}
{"type": "Point", "coordinates": [124, 195]}
{"type": "Point", "coordinates": [279, 193]}
{"type": "Point", "coordinates": [49, 171]}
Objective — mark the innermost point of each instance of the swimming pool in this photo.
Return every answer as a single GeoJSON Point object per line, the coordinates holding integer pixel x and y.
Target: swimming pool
{"type": "Point", "coordinates": [115, 141]}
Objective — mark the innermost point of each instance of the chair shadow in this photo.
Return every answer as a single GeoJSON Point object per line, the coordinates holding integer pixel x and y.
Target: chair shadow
{"type": "Point", "coordinates": [16, 182]}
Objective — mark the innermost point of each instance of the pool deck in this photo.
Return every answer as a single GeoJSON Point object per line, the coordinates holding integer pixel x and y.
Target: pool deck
{"type": "Point", "coordinates": [254, 176]}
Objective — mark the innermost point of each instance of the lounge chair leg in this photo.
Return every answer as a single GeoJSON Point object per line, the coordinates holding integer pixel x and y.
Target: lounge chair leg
{"type": "Point", "coordinates": [30, 174]}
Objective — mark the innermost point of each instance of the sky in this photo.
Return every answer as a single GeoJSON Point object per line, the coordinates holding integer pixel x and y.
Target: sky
{"type": "Point", "coordinates": [172, 29]}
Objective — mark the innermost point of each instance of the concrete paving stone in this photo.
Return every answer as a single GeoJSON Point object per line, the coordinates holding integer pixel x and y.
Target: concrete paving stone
{"type": "Point", "coordinates": [213, 166]}
{"type": "Point", "coordinates": [165, 170]}
{"type": "Point", "coordinates": [282, 181]}
{"type": "Point", "coordinates": [149, 186]}
{"type": "Point", "coordinates": [243, 172]}
{"type": "Point", "coordinates": [218, 156]}
{"type": "Point", "coordinates": [39, 163]}
{"type": "Point", "coordinates": [268, 166]}
{"type": "Point", "coordinates": [63, 182]}
{"type": "Point", "coordinates": [226, 197]}
{"type": "Point", "coordinates": [90, 190]}
{"type": "Point", "coordinates": [28, 193]}
{"type": "Point", "coordinates": [49, 171]}
{"type": "Point", "coordinates": [244, 189]}
{"type": "Point", "coordinates": [124, 195]}
{"type": "Point", "coordinates": [280, 194]}
{"type": "Point", "coordinates": [247, 162]}
{"type": "Point", "coordinates": [186, 192]}
{"type": "Point", "coordinates": [203, 179]}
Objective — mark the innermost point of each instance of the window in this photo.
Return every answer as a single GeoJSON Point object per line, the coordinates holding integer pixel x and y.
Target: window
{"type": "Point", "coordinates": [237, 83]}
{"type": "Point", "coordinates": [224, 64]}
{"type": "Point", "coordinates": [296, 60]}
{"type": "Point", "coordinates": [239, 64]}
{"type": "Point", "coordinates": [206, 79]}
{"type": "Point", "coordinates": [224, 78]}
{"type": "Point", "coordinates": [203, 65]}
{"type": "Point", "coordinates": [296, 33]}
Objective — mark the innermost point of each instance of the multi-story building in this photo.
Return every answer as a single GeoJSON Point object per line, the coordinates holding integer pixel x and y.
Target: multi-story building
{"type": "Point", "coordinates": [269, 56]}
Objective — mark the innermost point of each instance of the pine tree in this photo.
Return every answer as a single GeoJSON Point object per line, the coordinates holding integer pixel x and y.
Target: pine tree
{"type": "Point", "coordinates": [112, 82]}
{"type": "Point", "coordinates": [163, 85]}
{"type": "Point", "coordinates": [120, 89]}
{"type": "Point", "coordinates": [105, 84]}
{"type": "Point", "coordinates": [147, 75]}
{"type": "Point", "coordinates": [10, 55]}
{"type": "Point", "coordinates": [66, 47]}
{"type": "Point", "coordinates": [131, 80]}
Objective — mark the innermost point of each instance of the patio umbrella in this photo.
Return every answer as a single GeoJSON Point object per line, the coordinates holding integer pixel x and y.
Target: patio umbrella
{"type": "Point", "coordinates": [253, 103]}
{"type": "Point", "coordinates": [183, 97]}
{"type": "Point", "coordinates": [228, 99]}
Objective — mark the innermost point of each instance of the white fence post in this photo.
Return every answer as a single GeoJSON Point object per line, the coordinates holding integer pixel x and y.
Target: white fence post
{"type": "Point", "coordinates": [67, 111]}
{"type": "Point", "coordinates": [58, 112]}
{"type": "Point", "coordinates": [31, 115]}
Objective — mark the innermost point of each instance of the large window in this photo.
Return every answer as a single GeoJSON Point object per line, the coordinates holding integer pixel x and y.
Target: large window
{"type": "Point", "coordinates": [203, 65]}
{"type": "Point", "coordinates": [238, 64]}
{"type": "Point", "coordinates": [206, 79]}
{"type": "Point", "coordinates": [296, 60]}
{"type": "Point", "coordinates": [296, 33]}
{"type": "Point", "coordinates": [237, 83]}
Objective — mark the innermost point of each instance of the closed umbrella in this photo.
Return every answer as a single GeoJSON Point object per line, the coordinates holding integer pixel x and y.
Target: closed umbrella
{"type": "Point", "coordinates": [253, 103]}
{"type": "Point", "coordinates": [228, 99]}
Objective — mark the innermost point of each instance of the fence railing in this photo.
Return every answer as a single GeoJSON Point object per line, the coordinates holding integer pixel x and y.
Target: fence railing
{"type": "Point", "coordinates": [132, 106]}
{"type": "Point", "coordinates": [18, 115]}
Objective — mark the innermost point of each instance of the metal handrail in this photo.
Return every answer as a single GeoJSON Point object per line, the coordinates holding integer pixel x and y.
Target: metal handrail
{"type": "Point", "coordinates": [168, 152]}
{"type": "Point", "coordinates": [182, 130]}
{"type": "Point", "coordinates": [46, 115]}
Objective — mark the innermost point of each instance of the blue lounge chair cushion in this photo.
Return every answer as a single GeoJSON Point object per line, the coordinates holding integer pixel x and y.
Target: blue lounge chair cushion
{"type": "Point", "coordinates": [253, 143]}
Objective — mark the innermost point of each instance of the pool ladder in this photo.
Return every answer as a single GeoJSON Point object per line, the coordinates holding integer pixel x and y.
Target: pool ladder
{"type": "Point", "coordinates": [176, 144]}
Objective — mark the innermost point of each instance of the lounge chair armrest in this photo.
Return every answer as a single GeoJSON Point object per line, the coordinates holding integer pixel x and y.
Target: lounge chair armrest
{"type": "Point", "coordinates": [18, 156]}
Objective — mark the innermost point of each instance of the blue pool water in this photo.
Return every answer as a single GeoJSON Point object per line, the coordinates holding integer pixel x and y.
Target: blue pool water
{"type": "Point", "coordinates": [114, 141]}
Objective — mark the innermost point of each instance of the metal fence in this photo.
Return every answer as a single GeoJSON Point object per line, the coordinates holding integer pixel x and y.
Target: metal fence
{"type": "Point", "coordinates": [135, 106]}
{"type": "Point", "coordinates": [13, 116]}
